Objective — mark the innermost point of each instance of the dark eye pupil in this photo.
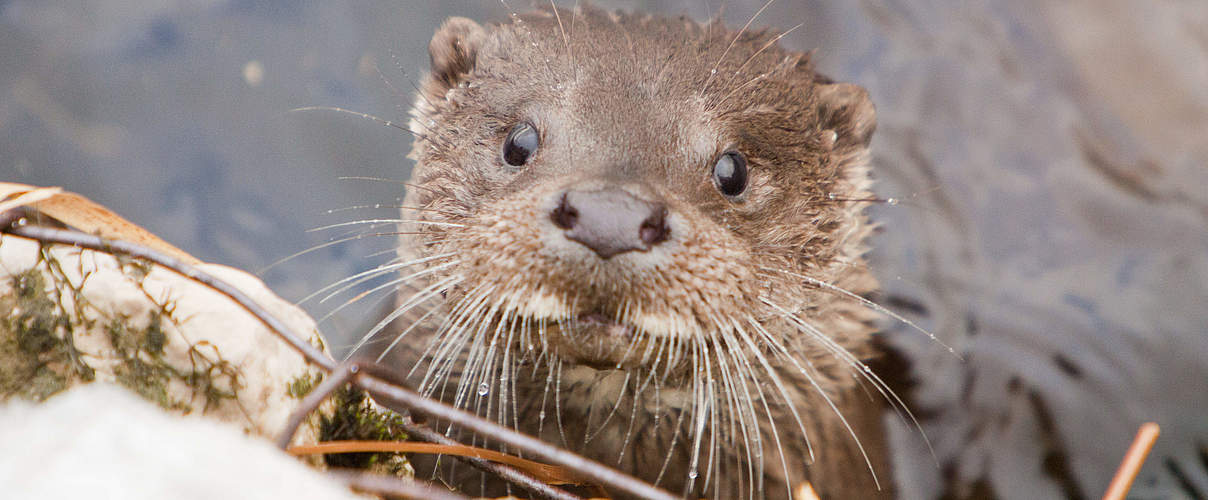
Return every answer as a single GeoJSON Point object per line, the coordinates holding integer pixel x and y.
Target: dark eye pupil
{"type": "Point", "coordinates": [730, 173]}
{"type": "Point", "coordinates": [520, 145]}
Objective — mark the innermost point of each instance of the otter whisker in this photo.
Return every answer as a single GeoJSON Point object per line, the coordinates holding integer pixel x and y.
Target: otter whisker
{"type": "Point", "coordinates": [483, 347]}
{"type": "Point", "coordinates": [389, 251]}
{"type": "Point", "coordinates": [558, 405]}
{"type": "Point", "coordinates": [509, 364]}
{"type": "Point", "coordinates": [287, 258]}
{"type": "Point", "coordinates": [519, 21]}
{"type": "Point", "coordinates": [398, 106]}
{"type": "Point", "coordinates": [588, 436]}
{"type": "Point", "coordinates": [713, 72]}
{"type": "Point", "coordinates": [751, 380]}
{"type": "Point", "coordinates": [677, 430]}
{"type": "Point", "coordinates": [714, 410]}
{"type": "Point", "coordinates": [778, 383]}
{"type": "Point", "coordinates": [718, 103]}
{"type": "Point", "coordinates": [843, 419]}
{"type": "Point", "coordinates": [574, 18]}
{"type": "Point", "coordinates": [633, 416]}
{"type": "Point", "coordinates": [427, 293]}
{"type": "Point", "coordinates": [549, 382]}
{"type": "Point", "coordinates": [865, 372]}
{"type": "Point", "coordinates": [766, 46]}
{"type": "Point", "coordinates": [738, 89]}
{"type": "Point", "coordinates": [473, 332]}
{"type": "Point", "coordinates": [369, 275]}
{"type": "Point", "coordinates": [359, 114]}
{"type": "Point", "coordinates": [871, 305]}
{"type": "Point", "coordinates": [508, 380]}
{"type": "Point", "coordinates": [392, 284]}
{"type": "Point", "coordinates": [704, 410]}
{"type": "Point", "coordinates": [390, 181]}
{"type": "Point", "coordinates": [637, 392]}
{"type": "Point", "coordinates": [471, 365]}
{"type": "Point", "coordinates": [484, 369]}
{"type": "Point", "coordinates": [449, 338]}
{"type": "Point", "coordinates": [492, 357]}
{"type": "Point", "coordinates": [377, 206]}
{"type": "Point", "coordinates": [386, 221]}
{"type": "Point", "coordinates": [382, 269]}
{"type": "Point", "coordinates": [739, 414]}
{"type": "Point", "coordinates": [397, 338]}
{"type": "Point", "coordinates": [565, 39]}
{"type": "Point", "coordinates": [862, 370]}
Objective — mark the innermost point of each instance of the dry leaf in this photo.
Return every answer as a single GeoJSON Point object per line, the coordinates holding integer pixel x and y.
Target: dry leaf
{"type": "Point", "coordinates": [550, 474]}
{"type": "Point", "coordinates": [85, 215]}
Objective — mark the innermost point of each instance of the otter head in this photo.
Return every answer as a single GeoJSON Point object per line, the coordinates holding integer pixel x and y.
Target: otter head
{"type": "Point", "coordinates": [638, 194]}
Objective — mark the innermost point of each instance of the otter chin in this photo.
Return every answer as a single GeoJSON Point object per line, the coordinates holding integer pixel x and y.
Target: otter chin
{"type": "Point", "coordinates": [595, 340]}
{"type": "Point", "coordinates": [641, 238]}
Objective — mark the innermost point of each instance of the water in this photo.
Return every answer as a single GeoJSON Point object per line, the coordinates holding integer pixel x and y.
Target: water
{"type": "Point", "coordinates": [1047, 160]}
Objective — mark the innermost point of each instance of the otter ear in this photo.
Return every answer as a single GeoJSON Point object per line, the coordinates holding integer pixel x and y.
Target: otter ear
{"type": "Point", "coordinates": [454, 50]}
{"type": "Point", "coordinates": [846, 109]}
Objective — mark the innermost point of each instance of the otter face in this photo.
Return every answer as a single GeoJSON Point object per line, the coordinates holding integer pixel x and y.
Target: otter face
{"type": "Point", "coordinates": [644, 195]}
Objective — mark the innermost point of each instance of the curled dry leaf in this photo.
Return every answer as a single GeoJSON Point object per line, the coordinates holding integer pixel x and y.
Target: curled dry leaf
{"type": "Point", "coordinates": [550, 474]}
{"type": "Point", "coordinates": [83, 214]}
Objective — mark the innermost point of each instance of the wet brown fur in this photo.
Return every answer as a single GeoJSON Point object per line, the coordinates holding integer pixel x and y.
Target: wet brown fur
{"type": "Point", "coordinates": [630, 100]}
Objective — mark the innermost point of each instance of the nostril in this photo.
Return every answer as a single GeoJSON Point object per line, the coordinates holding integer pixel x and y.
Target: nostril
{"type": "Point", "coordinates": [654, 229]}
{"type": "Point", "coordinates": [565, 216]}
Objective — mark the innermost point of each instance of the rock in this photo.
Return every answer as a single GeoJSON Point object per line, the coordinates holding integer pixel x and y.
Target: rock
{"type": "Point", "coordinates": [70, 316]}
{"type": "Point", "coordinates": [98, 441]}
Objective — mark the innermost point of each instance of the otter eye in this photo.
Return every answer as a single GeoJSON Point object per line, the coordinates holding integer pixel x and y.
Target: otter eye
{"type": "Point", "coordinates": [730, 173]}
{"type": "Point", "coordinates": [520, 145]}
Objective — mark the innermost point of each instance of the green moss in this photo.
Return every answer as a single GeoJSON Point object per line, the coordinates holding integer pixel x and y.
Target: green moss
{"type": "Point", "coordinates": [37, 358]}
{"type": "Point", "coordinates": [356, 418]}
{"type": "Point", "coordinates": [301, 385]}
{"type": "Point", "coordinates": [141, 368]}
{"type": "Point", "coordinates": [154, 338]}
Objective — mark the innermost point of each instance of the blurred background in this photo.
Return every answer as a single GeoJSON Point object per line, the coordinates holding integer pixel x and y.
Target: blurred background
{"type": "Point", "coordinates": [1049, 159]}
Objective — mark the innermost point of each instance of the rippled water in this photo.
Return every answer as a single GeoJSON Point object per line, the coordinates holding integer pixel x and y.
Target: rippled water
{"type": "Point", "coordinates": [1051, 159]}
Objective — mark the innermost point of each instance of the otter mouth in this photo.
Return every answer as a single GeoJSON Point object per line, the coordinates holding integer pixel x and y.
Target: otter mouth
{"type": "Point", "coordinates": [597, 324]}
{"type": "Point", "coordinates": [597, 340]}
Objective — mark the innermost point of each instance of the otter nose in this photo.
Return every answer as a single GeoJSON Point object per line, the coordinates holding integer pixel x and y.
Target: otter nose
{"type": "Point", "coordinates": [611, 221]}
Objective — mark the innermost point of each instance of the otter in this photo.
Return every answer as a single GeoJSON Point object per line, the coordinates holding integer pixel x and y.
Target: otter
{"type": "Point", "coordinates": [641, 238]}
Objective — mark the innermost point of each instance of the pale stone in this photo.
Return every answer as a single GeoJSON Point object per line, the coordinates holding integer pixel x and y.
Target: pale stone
{"type": "Point", "coordinates": [100, 442]}
{"type": "Point", "coordinates": [203, 332]}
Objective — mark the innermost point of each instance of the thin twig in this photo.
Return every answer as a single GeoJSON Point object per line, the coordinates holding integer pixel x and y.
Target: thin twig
{"type": "Point", "coordinates": [508, 473]}
{"type": "Point", "coordinates": [1133, 460]}
{"type": "Point", "coordinates": [83, 240]}
{"type": "Point", "coordinates": [387, 485]}
{"type": "Point", "coordinates": [545, 472]}
{"type": "Point", "coordinates": [349, 371]}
